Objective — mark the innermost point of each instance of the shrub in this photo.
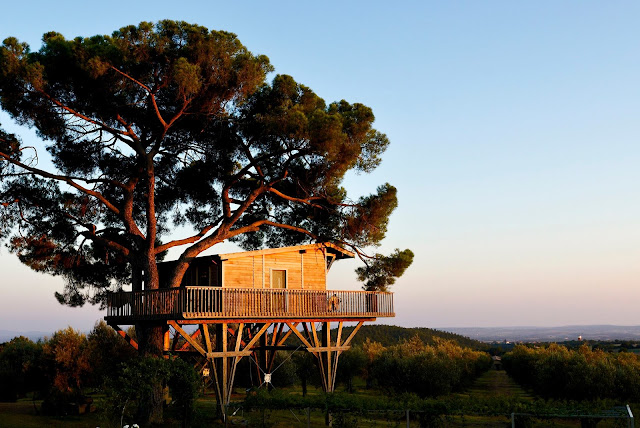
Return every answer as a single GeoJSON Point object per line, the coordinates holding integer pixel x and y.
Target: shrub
{"type": "Point", "coordinates": [584, 374]}
{"type": "Point", "coordinates": [20, 368]}
{"type": "Point", "coordinates": [428, 370]}
{"type": "Point", "coordinates": [136, 379]}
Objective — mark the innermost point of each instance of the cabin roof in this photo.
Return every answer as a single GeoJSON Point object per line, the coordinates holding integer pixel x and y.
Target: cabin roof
{"type": "Point", "coordinates": [339, 252]}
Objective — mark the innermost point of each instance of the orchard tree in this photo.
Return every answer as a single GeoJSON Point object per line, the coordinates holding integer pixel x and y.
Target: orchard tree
{"type": "Point", "coordinates": [165, 125]}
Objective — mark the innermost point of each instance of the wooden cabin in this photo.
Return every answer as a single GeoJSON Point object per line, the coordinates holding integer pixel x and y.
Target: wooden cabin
{"type": "Point", "coordinates": [303, 267]}
{"type": "Point", "coordinates": [288, 282]}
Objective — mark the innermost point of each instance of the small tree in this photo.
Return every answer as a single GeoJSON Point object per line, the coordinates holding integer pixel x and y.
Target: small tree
{"type": "Point", "coordinates": [381, 272]}
{"type": "Point", "coordinates": [372, 350]}
{"type": "Point", "coordinates": [306, 370]}
{"type": "Point", "coordinates": [106, 352]}
{"type": "Point", "coordinates": [352, 363]}
{"type": "Point", "coordinates": [134, 383]}
{"type": "Point", "coordinates": [67, 368]}
{"type": "Point", "coordinates": [20, 368]}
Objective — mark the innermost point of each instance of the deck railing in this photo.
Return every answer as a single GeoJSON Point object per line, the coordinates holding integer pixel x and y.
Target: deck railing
{"type": "Point", "coordinates": [217, 302]}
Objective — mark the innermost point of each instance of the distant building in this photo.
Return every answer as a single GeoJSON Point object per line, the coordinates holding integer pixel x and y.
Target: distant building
{"type": "Point", "coordinates": [496, 363]}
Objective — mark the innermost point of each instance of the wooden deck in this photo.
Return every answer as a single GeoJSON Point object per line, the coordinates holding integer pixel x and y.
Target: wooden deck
{"type": "Point", "coordinates": [216, 303]}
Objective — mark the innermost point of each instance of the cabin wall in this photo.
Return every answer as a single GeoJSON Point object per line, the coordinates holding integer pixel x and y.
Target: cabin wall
{"type": "Point", "coordinates": [304, 270]}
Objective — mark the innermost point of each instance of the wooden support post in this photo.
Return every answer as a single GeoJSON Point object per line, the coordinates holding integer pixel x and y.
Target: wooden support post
{"type": "Point", "coordinates": [204, 328]}
{"type": "Point", "coordinates": [326, 351]}
{"type": "Point", "coordinates": [326, 341]}
{"type": "Point", "coordinates": [225, 366]}
{"type": "Point", "coordinates": [275, 338]}
{"type": "Point", "coordinates": [166, 343]}
{"type": "Point", "coordinates": [353, 333]}
{"type": "Point", "coordinates": [226, 354]}
{"type": "Point", "coordinates": [237, 357]}
{"type": "Point", "coordinates": [174, 344]}
{"type": "Point", "coordinates": [224, 359]}
{"type": "Point", "coordinates": [320, 357]}
{"type": "Point", "coordinates": [262, 356]}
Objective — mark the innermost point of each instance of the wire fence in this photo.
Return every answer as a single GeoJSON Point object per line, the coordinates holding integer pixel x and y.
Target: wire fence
{"type": "Point", "coordinates": [237, 415]}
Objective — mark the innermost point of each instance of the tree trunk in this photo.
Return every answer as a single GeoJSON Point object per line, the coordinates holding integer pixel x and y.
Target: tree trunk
{"type": "Point", "coordinates": [150, 343]}
{"type": "Point", "coordinates": [150, 408]}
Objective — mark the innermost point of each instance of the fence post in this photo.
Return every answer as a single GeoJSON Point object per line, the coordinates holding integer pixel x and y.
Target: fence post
{"type": "Point", "coordinates": [513, 420]}
{"type": "Point", "coordinates": [308, 417]}
{"type": "Point", "coordinates": [408, 419]}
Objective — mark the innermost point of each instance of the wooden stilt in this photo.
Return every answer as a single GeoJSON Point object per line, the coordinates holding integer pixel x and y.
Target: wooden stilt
{"type": "Point", "coordinates": [233, 341]}
{"type": "Point", "coordinates": [275, 337]}
{"type": "Point", "coordinates": [166, 343]}
{"type": "Point", "coordinates": [326, 342]}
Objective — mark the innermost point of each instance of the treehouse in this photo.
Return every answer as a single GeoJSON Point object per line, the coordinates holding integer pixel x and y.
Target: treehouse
{"type": "Point", "coordinates": [254, 301]}
{"type": "Point", "coordinates": [287, 283]}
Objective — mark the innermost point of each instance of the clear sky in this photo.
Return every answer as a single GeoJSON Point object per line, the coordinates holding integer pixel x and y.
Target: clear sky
{"type": "Point", "coordinates": [514, 131]}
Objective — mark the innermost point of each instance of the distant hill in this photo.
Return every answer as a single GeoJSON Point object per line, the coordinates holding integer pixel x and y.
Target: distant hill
{"type": "Point", "coordinates": [392, 335]}
{"type": "Point", "coordinates": [387, 335]}
{"type": "Point", "coordinates": [549, 334]}
{"type": "Point", "coordinates": [7, 335]}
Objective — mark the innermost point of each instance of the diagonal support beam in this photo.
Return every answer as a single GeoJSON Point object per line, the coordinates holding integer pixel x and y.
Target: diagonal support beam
{"type": "Point", "coordinates": [288, 333]}
{"type": "Point", "coordinates": [207, 337]}
{"type": "Point", "coordinates": [353, 333]}
{"type": "Point", "coordinates": [125, 336]}
{"type": "Point", "coordinates": [300, 336]}
{"type": "Point", "coordinates": [186, 344]}
{"type": "Point", "coordinates": [188, 338]}
{"type": "Point", "coordinates": [339, 333]}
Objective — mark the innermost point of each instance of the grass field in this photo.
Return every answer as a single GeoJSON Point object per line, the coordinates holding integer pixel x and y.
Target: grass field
{"type": "Point", "coordinates": [24, 413]}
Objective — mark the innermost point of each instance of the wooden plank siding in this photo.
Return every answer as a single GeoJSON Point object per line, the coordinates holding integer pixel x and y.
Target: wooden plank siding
{"type": "Point", "coordinates": [233, 303]}
{"type": "Point", "coordinates": [305, 270]}
{"type": "Point", "coordinates": [315, 276]}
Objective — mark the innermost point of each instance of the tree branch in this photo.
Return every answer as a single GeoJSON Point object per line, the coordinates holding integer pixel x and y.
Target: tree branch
{"type": "Point", "coordinates": [189, 240]}
{"type": "Point", "coordinates": [255, 226]}
{"type": "Point", "coordinates": [82, 116]}
{"type": "Point", "coordinates": [64, 179]}
{"type": "Point", "coordinates": [107, 243]}
{"type": "Point", "coordinates": [149, 92]}
{"type": "Point", "coordinates": [306, 201]}
{"type": "Point", "coordinates": [127, 208]}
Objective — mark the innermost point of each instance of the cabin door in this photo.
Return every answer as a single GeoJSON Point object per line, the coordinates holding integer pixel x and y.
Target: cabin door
{"type": "Point", "coordinates": [279, 284]}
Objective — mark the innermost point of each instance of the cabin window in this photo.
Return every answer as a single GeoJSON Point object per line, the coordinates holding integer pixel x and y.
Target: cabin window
{"type": "Point", "coordinates": [189, 277]}
{"type": "Point", "coordinates": [203, 276]}
{"type": "Point", "coordinates": [214, 280]}
{"type": "Point", "coordinates": [278, 278]}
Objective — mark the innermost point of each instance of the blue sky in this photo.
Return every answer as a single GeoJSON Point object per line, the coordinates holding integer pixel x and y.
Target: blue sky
{"type": "Point", "coordinates": [514, 145]}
